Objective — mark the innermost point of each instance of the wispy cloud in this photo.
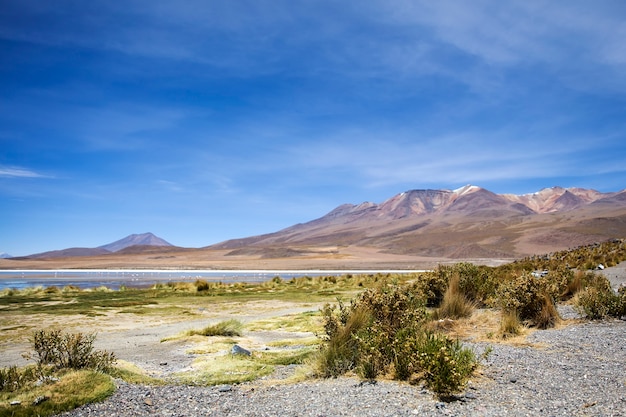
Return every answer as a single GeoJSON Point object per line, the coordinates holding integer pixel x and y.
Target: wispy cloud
{"type": "Point", "coordinates": [574, 42]}
{"type": "Point", "coordinates": [455, 158]}
{"type": "Point", "coordinates": [377, 38]}
{"type": "Point", "coordinates": [19, 172]}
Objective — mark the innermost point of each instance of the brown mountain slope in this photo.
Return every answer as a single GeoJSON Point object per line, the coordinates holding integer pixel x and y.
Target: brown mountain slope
{"type": "Point", "coordinates": [463, 223]}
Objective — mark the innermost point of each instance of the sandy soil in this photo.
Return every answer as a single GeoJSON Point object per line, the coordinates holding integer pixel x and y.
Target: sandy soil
{"type": "Point", "coordinates": [138, 339]}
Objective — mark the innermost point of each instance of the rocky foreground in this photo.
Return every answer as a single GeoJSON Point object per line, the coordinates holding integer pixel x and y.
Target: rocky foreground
{"type": "Point", "coordinates": [577, 370]}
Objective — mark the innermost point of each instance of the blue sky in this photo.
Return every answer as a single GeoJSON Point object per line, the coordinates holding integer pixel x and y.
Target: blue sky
{"type": "Point", "coordinates": [203, 120]}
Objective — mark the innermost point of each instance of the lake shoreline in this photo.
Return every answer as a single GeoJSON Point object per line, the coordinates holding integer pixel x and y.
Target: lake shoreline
{"type": "Point", "coordinates": [142, 278]}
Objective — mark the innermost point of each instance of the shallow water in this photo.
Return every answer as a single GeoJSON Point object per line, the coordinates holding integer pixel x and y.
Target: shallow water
{"type": "Point", "coordinates": [114, 279]}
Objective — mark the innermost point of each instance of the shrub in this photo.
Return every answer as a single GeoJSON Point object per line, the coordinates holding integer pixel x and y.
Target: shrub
{"type": "Point", "coordinates": [341, 351]}
{"type": "Point", "coordinates": [13, 378]}
{"type": "Point", "coordinates": [574, 285]}
{"type": "Point", "coordinates": [445, 363]}
{"type": "Point", "coordinates": [454, 304]}
{"type": "Point", "coordinates": [509, 324]}
{"type": "Point", "coordinates": [201, 285]}
{"type": "Point", "coordinates": [432, 285]}
{"type": "Point", "coordinates": [477, 283]}
{"type": "Point", "coordinates": [529, 297]}
{"type": "Point", "coordinates": [557, 281]}
{"type": "Point", "coordinates": [69, 351]}
{"type": "Point", "coordinates": [548, 316]}
{"type": "Point", "coordinates": [230, 327]}
{"type": "Point", "coordinates": [382, 333]}
{"type": "Point", "coordinates": [598, 300]}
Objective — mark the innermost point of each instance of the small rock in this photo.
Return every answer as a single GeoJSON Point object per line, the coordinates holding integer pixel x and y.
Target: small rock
{"type": "Point", "coordinates": [238, 350]}
{"type": "Point", "coordinates": [163, 363]}
{"type": "Point", "coordinates": [15, 403]}
{"type": "Point", "coordinates": [148, 401]}
{"type": "Point", "coordinates": [40, 399]}
{"type": "Point", "coordinates": [513, 380]}
{"type": "Point", "coordinates": [225, 388]}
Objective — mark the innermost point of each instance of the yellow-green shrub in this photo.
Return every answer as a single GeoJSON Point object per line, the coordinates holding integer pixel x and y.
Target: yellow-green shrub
{"type": "Point", "coordinates": [530, 298]}
{"type": "Point", "coordinates": [382, 333]}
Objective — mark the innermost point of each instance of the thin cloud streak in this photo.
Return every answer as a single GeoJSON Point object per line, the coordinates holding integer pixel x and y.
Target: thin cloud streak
{"type": "Point", "coordinates": [19, 172]}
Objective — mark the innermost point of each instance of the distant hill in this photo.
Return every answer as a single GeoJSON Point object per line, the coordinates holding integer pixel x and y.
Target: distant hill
{"type": "Point", "coordinates": [463, 223]}
{"type": "Point", "coordinates": [5, 255]}
{"type": "Point", "coordinates": [143, 241]}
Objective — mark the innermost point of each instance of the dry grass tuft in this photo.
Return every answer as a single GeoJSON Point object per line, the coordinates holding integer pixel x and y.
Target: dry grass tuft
{"type": "Point", "coordinates": [510, 324]}
{"type": "Point", "coordinates": [454, 304]}
{"type": "Point", "coordinates": [574, 286]}
{"type": "Point", "coordinates": [548, 316]}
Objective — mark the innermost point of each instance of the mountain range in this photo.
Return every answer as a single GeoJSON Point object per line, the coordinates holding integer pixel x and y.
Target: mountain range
{"type": "Point", "coordinates": [467, 223]}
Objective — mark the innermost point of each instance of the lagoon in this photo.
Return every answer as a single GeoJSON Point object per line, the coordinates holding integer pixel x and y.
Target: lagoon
{"type": "Point", "coordinates": [142, 278]}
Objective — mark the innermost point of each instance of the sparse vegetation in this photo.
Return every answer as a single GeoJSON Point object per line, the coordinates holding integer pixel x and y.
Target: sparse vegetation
{"type": "Point", "coordinates": [383, 333]}
{"type": "Point", "coordinates": [67, 373]}
{"type": "Point", "coordinates": [597, 299]}
{"type": "Point", "coordinates": [224, 328]}
{"type": "Point", "coordinates": [529, 297]}
{"type": "Point", "coordinates": [69, 351]}
{"type": "Point", "coordinates": [454, 304]}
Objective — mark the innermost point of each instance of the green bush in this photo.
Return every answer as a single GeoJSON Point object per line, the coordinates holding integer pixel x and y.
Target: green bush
{"type": "Point", "coordinates": [477, 282]}
{"type": "Point", "coordinates": [432, 285]}
{"type": "Point", "coordinates": [340, 354]}
{"type": "Point", "coordinates": [14, 378]}
{"type": "Point", "coordinates": [382, 333]}
{"type": "Point", "coordinates": [69, 351]}
{"type": "Point", "coordinates": [529, 297]}
{"type": "Point", "coordinates": [598, 300]}
{"type": "Point", "coordinates": [445, 363]}
{"type": "Point", "coordinates": [230, 327]}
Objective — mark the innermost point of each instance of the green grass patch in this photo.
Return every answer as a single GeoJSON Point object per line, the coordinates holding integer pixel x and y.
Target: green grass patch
{"type": "Point", "coordinates": [304, 341]}
{"type": "Point", "coordinates": [286, 357]}
{"type": "Point", "coordinates": [309, 321]}
{"type": "Point", "coordinates": [74, 388]}
{"type": "Point", "coordinates": [133, 374]}
{"type": "Point", "coordinates": [226, 369]}
{"type": "Point", "coordinates": [233, 369]}
{"type": "Point", "coordinates": [224, 328]}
